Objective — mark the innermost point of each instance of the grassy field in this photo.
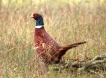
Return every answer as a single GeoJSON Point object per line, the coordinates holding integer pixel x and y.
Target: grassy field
{"type": "Point", "coordinates": [66, 23]}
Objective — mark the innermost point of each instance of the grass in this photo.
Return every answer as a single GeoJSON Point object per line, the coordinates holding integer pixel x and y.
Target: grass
{"type": "Point", "coordinates": [64, 22]}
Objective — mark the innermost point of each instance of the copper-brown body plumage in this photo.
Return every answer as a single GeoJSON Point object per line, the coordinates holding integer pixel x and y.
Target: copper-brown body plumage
{"type": "Point", "coordinates": [47, 48]}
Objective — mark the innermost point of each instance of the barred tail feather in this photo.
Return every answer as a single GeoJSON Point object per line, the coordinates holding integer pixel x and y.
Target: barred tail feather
{"type": "Point", "coordinates": [65, 48]}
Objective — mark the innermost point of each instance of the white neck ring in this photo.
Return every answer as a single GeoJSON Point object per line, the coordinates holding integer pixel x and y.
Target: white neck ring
{"type": "Point", "coordinates": [39, 26]}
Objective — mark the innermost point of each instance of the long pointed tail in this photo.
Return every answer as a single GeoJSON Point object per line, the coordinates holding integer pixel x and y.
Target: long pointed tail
{"type": "Point", "coordinates": [65, 48]}
{"type": "Point", "coordinates": [73, 45]}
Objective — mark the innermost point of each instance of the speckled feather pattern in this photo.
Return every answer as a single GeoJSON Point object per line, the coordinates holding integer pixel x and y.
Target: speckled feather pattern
{"type": "Point", "coordinates": [45, 45]}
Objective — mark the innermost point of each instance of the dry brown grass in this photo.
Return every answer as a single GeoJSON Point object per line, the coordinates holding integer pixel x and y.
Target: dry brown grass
{"type": "Point", "coordinates": [64, 22]}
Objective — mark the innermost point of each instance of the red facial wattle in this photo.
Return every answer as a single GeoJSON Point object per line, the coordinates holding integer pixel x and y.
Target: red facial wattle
{"type": "Point", "coordinates": [35, 16]}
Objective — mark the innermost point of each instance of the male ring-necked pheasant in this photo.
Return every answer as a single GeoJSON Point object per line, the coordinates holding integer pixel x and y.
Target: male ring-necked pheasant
{"type": "Point", "coordinates": [47, 48]}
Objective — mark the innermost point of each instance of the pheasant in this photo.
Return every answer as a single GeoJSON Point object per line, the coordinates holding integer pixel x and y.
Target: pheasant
{"type": "Point", "coordinates": [46, 47]}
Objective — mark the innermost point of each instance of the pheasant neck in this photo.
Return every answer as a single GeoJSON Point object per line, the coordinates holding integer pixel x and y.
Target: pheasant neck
{"type": "Point", "coordinates": [39, 26]}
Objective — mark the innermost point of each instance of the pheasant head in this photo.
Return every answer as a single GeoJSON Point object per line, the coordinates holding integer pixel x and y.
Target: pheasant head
{"type": "Point", "coordinates": [39, 19]}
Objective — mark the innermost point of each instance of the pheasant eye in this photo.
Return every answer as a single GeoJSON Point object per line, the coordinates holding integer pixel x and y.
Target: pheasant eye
{"type": "Point", "coordinates": [35, 16]}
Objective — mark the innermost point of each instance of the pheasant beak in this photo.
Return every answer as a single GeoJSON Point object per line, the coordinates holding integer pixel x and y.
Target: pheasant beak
{"type": "Point", "coordinates": [31, 16]}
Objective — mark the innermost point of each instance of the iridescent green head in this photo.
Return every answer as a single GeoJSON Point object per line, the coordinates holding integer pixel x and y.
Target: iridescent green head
{"type": "Point", "coordinates": [39, 19]}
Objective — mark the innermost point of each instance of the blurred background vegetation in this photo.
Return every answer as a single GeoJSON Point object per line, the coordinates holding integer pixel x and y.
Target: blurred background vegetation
{"type": "Point", "coordinates": [21, 2]}
{"type": "Point", "coordinates": [67, 21]}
